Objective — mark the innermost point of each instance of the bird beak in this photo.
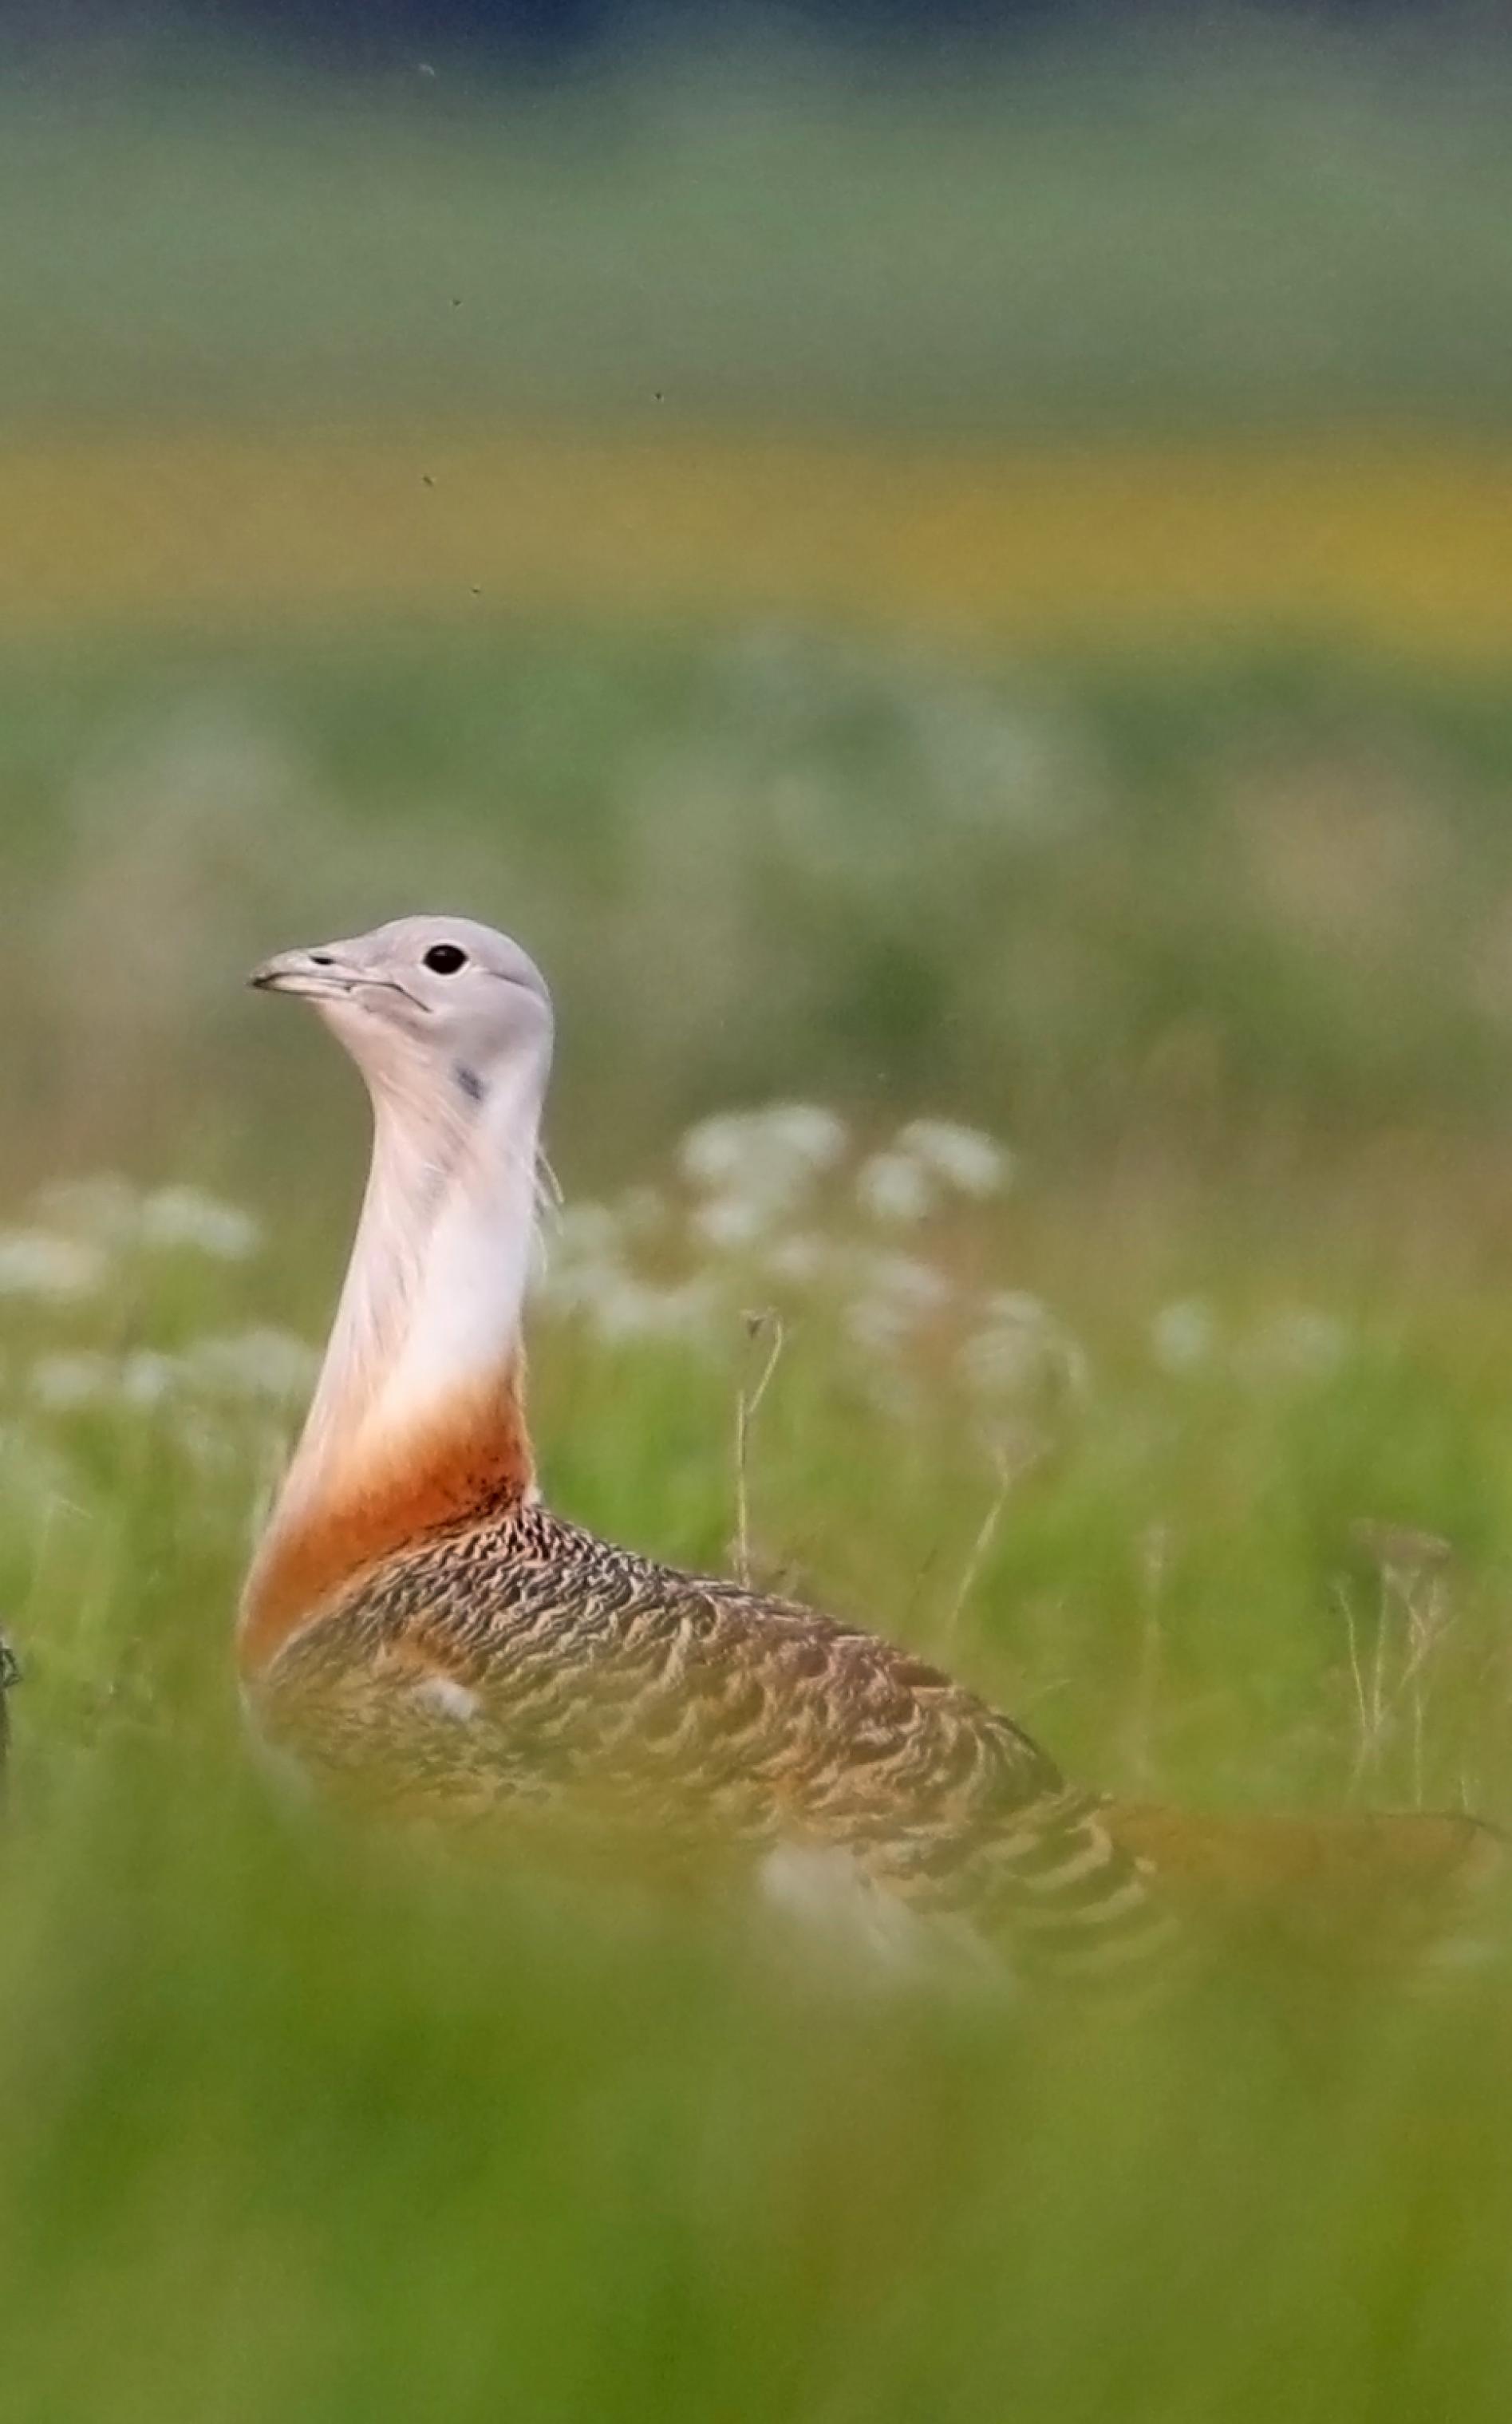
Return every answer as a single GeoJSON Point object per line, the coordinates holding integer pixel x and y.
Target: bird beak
{"type": "Point", "coordinates": [318, 973]}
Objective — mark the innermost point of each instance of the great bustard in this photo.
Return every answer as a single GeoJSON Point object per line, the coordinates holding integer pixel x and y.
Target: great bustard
{"type": "Point", "coordinates": [420, 1628]}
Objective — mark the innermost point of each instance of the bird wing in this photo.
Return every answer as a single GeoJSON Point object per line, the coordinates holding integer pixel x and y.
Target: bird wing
{"type": "Point", "coordinates": [525, 1666]}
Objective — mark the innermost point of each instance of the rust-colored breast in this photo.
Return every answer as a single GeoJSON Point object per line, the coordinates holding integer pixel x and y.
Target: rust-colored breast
{"type": "Point", "coordinates": [475, 1456]}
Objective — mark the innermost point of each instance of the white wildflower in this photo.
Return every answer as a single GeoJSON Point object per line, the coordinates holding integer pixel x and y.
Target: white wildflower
{"type": "Point", "coordinates": [1020, 1345]}
{"type": "Point", "coordinates": [632, 1308]}
{"type": "Point", "coordinates": [574, 1257]}
{"type": "Point", "coordinates": [186, 1216]}
{"type": "Point", "coordinates": [105, 1209]}
{"type": "Point", "coordinates": [905, 1281]}
{"type": "Point", "coordinates": [799, 1259]}
{"type": "Point", "coordinates": [878, 1326]}
{"type": "Point", "coordinates": [806, 1133]}
{"type": "Point", "coordinates": [1184, 1334]}
{"type": "Point", "coordinates": [729, 1223]}
{"type": "Point", "coordinates": [1001, 1361]}
{"type": "Point", "coordinates": [895, 1187]}
{"type": "Point", "coordinates": [615, 1304]}
{"type": "Point", "coordinates": [966, 1158]}
{"type": "Point", "coordinates": [146, 1378]}
{"type": "Point", "coordinates": [262, 1363]}
{"type": "Point", "coordinates": [575, 1287]}
{"type": "Point", "coordinates": [720, 1151]}
{"type": "Point", "coordinates": [34, 1261]}
{"type": "Point", "coordinates": [893, 1295]}
{"type": "Point", "coordinates": [769, 1156]}
{"type": "Point", "coordinates": [64, 1382]}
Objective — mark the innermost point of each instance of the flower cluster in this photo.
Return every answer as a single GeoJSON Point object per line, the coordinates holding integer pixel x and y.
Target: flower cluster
{"type": "Point", "coordinates": [1294, 1343]}
{"type": "Point", "coordinates": [85, 1223]}
{"type": "Point", "coordinates": [779, 1206]}
{"type": "Point", "coordinates": [88, 1247]}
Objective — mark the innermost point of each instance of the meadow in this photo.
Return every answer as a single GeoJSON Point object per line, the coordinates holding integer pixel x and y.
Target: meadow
{"type": "Point", "coordinates": [1028, 895]}
{"type": "Point", "coordinates": [1178, 1424]}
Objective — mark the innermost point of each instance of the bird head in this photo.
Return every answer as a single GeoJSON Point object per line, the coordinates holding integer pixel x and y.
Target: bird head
{"type": "Point", "coordinates": [424, 1005]}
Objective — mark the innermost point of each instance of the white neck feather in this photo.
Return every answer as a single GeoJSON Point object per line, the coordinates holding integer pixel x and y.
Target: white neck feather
{"type": "Point", "coordinates": [433, 1296]}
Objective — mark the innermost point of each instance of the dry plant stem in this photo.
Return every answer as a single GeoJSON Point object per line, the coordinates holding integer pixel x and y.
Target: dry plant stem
{"type": "Point", "coordinates": [9, 1675]}
{"type": "Point", "coordinates": [1155, 1559]}
{"type": "Point", "coordinates": [766, 1325]}
{"type": "Point", "coordinates": [1379, 1707]}
{"type": "Point", "coordinates": [1382, 1702]}
{"type": "Point", "coordinates": [1427, 1618]}
{"type": "Point", "coordinates": [1372, 1700]}
{"type": "Point", "coordinates": [1363, 1747]}
{"type": "Point", "coordinates": [1009, 1469]}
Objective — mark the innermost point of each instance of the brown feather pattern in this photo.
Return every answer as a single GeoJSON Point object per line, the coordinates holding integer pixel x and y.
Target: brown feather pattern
{"type": "Point", "coordinates": [509, 1667]}
{"type": "Point", "coordinates": [614, 1697]}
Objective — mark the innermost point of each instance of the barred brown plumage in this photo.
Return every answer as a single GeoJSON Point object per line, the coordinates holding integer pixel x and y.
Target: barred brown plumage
{"type": "Point", "coordinates": [421, 1632]}
{"type": "Point", "coordinates": [592, 1685]}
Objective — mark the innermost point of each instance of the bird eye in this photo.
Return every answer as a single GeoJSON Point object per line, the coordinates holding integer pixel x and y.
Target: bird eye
{"type": "Point", "coordinates": [445, 958]}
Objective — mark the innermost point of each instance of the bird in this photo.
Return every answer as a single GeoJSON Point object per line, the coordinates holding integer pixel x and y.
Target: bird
{"type": "Point", "coordinates": [419, 1633]}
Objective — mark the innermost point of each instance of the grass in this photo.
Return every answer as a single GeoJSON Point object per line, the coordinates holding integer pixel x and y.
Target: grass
{"type": "Point", "coordinates": [1201, 898]}
{"type": "Point", "coordinates": [1359, 533]}
{"type": "Point", "coordinates": [1164, 230]}
{"type": "Point", "coordinates": [289, 2123]}
{"type": "Point", "coordinates": [292, 2123]}
{"type": "Point", "coordinates": [1185, 903]}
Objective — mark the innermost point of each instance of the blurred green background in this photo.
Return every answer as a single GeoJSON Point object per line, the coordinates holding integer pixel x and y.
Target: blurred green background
{"type": "Point", "coordinates": [960, 581]}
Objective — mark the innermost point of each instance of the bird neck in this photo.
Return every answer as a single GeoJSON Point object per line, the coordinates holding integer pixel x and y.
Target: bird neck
{"type": "Point", "coordinates": [418, 1416]}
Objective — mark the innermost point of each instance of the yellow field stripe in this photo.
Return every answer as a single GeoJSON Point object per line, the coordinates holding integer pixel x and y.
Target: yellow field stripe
{"type": "Point", "coordinates": [1408, 542]}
